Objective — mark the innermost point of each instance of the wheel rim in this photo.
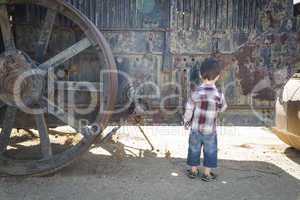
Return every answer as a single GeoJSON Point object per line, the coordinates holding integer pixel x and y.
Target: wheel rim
{"type": "Point", "coordinates": [49, 161]}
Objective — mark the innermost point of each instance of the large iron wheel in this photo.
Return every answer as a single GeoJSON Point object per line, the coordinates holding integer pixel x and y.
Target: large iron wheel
{"type": "Point", "coordinates": [17, 60]}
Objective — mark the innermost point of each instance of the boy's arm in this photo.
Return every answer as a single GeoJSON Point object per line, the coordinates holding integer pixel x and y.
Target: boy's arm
{"type": "Point", "coordinates": [189, 110]}
{"type": "Point", "coordinates": [223, 105]}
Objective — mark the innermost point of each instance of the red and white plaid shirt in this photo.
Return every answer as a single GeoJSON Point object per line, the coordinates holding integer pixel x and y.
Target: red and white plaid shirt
{"type": "Point", "coordinates": [203, 107]}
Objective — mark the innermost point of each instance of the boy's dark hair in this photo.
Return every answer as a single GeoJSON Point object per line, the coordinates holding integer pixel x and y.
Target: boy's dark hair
{"type": "Point", "coordinates": [210, 69]}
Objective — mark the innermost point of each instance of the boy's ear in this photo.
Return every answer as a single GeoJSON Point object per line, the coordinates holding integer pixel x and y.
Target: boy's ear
{"type": "Point", "coordinates": [217, 78]}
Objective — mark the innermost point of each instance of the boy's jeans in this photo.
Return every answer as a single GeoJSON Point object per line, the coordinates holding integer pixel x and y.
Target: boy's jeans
{"type": "Point", "coordinates": [210, 149]}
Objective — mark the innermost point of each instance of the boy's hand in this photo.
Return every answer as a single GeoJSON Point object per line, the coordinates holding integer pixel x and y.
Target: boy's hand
{"type": "Point", "coordinates": [187, 125]}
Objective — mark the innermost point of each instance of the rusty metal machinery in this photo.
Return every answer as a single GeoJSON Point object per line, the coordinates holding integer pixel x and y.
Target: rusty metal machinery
{"type": "Point", "coordinates": [156, 46]}
{"type": "Point", "coordinates": [161, 42]}
{"type": "Point", "coordinates": [36, 57]}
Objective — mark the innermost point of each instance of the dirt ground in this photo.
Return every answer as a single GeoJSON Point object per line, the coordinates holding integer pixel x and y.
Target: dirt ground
{"type": "Point", "coordinates": [254, 165]}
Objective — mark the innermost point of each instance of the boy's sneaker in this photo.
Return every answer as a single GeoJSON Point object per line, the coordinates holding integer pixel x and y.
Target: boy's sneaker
{"type": "Point", "coordinates": [211, 177]}
{"type": "Point", "coordinates": [191, 174]}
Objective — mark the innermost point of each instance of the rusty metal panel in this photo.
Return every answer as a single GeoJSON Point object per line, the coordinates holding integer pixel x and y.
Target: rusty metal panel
{"type": "Point", "coordinates": [217, 15]}
{"type": "Point", "coordinates": [112, 14]}
{"type": "Point", "coordinates": [140, 69]}
{"type": "Point", "coordinates": [124, 14]}
{"type": "Point", "coordinates": [135, 42]}
{"type": "Point", "coordinates": [221, 25]}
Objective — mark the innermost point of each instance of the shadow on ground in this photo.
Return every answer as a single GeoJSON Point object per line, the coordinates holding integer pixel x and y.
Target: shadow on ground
{"type": "Point", "coordinates": [160, 178]}
{"type": "Point", "coordinates": [146, 176]}
{"type": "Point", "coordinates": [150, 177]}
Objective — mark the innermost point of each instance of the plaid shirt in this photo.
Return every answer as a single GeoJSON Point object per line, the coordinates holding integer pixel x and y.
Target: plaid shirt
{"type": "Point", "coordinates": [203, 107]}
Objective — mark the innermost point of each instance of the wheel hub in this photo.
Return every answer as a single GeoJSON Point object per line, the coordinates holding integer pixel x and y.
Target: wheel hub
{"type": "Point", "coordinates": [19, 83]}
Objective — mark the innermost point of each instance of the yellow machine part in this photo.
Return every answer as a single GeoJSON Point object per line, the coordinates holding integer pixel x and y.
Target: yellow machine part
{"type": "Point", "coordinates": [288, 114]}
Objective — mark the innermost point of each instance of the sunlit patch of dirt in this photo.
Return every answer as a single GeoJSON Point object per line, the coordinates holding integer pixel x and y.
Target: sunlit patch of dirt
{"type": "Point", "coordinates": [25, 144]}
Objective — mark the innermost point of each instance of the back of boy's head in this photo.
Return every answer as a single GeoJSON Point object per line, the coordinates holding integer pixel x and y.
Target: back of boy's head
{"type": "Point", "coordinates": [210, 69]}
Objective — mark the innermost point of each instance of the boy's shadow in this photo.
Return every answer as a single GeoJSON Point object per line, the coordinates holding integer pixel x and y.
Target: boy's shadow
{"type": "Point", "coordinates": [249, 177]}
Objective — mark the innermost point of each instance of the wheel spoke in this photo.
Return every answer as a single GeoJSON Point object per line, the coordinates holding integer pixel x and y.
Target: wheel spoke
{"type": "Point", "coordinates": [8, 123]}
{"type": "Point", "coordinates": [7, 35]}
{"type": "Point", "coordinates": [44, 136]}
{"type": "Point", "coordinates": [45, 34]}
{"type": "Point", "coordinates": [66, 54]}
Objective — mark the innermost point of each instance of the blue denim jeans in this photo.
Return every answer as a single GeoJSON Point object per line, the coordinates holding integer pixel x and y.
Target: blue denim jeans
{"type": "Point", "coordinates": [209, 143]}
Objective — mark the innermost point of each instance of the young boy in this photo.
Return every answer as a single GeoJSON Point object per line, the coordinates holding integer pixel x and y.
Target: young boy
{"type": "Point", "coordinates": [201, 115]}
